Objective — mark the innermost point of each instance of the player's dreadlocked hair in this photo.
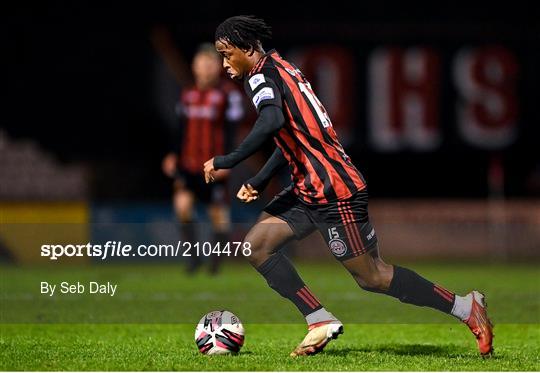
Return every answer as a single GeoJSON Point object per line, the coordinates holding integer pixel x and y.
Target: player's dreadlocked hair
{"type": "Point", "coordinates": [244, 32]}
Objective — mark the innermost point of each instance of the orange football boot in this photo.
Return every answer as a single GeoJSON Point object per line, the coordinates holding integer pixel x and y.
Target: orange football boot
{"type": "Point", "coordinates": [480, 325]}
{"type": "Point", "coordinates": [318, 336]}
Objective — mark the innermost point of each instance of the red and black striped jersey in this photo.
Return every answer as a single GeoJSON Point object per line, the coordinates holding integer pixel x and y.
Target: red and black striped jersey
{"type": "Point", "coordinates": [321, 171]}
{"type": "Point", "coordinates": [204, 116]}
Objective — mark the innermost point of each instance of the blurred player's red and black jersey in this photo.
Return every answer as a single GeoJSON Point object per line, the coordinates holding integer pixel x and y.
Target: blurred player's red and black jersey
{"type": "Point", "coordinates": [321, 171]}
{"type": "Point", "coordinates": [206, 117]}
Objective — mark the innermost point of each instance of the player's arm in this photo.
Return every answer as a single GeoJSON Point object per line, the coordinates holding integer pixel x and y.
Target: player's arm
{"type": "Point", "coordinates": [176, 139]}
{"type": "Point", "coordinates": [250, 190]}
{"type": "Point", "coordinates": [276, 162]}
{"type": "Point", "coordinates": [269, 121]}
{"type": "Point", "coordinates": [266, 97]}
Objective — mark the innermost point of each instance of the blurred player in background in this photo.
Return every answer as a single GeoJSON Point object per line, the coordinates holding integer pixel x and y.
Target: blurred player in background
{"type": "Point", "coordinates": [208, 111]}
{"type": "Point", "coordinates": [327, 193]}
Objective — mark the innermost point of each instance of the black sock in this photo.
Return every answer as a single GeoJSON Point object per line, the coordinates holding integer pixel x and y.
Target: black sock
{"type": "Point", "coordinates": [410, 287]}
{"type": "Point", "coordinates": [283, 278]}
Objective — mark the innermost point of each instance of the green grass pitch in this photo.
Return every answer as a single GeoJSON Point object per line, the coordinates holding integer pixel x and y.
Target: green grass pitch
{"type": "Point", "coordinates": [157, 333]}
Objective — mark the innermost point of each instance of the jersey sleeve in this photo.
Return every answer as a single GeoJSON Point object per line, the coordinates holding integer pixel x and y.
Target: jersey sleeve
{"type": "Point", "coordinates": [271, 167]}
{"type": "Point", "coordinates": [263, 89]}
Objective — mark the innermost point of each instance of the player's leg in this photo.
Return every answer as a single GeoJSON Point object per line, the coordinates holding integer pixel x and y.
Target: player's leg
{"type": "Point", "coordinates": [184, 201]}
{"type": "Point", "coordinates": [219, 217]}
{"type": "Point", "coordinates": [285, 219]}
{"type": "Point", "coordinates": [372, 274]}
{"type": "Point", "coordinates": [354, 243]}
{"type": "Point", "coordinates": [282, 221]}
{"type": "Point", "coordinates": [266, 238]}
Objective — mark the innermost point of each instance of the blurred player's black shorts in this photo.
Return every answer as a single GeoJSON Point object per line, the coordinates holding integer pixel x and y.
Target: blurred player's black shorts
{"type": "Point", "coordinates": [206, 193]}
{"type": "Point", "coordinates": [344, 225]}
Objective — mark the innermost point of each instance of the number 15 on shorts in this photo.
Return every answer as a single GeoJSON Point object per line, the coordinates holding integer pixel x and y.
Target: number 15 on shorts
{"type": "Point", "coordinates": [333, 233]}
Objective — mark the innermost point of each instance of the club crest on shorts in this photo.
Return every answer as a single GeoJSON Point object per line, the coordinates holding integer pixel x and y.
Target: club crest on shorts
{"type": "Point", "coordinates": [337, 247]}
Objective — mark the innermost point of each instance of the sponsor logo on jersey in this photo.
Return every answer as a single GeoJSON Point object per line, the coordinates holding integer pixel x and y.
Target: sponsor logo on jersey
{"type": "Point", "coordinates": [256, 80]}
{"type": "Point", "coordinates": [266, 93]}
{"type": "Point", "coordinates": [292, 72]}
{"type": "Point", "coordinates": [337, 247]}
{"type": "Point", "coordinates": [371, 234]}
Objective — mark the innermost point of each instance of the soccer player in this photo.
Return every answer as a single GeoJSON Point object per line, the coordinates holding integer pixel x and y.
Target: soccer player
{"type": "Point", "coordinates": [327, 193]}
{"type": "Point", "coordinates": [207, 111]}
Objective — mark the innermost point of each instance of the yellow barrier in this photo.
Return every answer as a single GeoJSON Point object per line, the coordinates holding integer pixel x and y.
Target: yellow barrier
{"type": "Point", "coordinates": [25, 226]}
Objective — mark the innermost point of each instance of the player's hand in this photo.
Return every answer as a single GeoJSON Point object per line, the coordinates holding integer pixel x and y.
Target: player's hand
{"type": "Point", "coordinates": [247, 194]}
{"type": "Point", "coordinates": [209, 171]}
{"type": "Point", "coordinates": [168, 165]}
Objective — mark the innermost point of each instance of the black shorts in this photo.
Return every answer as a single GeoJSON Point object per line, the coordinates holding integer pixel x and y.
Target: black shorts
{"type": "Point", "coordinates": [344, 225]}
{"type": "Point", "coordinates": [205, 193]}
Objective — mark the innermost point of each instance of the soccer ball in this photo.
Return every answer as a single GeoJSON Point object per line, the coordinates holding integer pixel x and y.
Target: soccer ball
{"type": "Point", "coordinates": [218, 333]}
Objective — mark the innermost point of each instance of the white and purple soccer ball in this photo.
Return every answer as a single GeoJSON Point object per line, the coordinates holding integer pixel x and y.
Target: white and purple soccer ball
{"type": "Point", "coordinates": [218, 333]}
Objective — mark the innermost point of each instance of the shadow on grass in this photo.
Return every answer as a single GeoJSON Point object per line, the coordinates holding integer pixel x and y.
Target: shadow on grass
{"type": "Point", "coordinates": [405, 350]}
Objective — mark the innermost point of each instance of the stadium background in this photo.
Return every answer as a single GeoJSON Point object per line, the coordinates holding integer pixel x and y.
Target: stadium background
{"type": "Point", "coordinates": [87, 113]}
{"type": "Point", "coordinates": [91, 105]}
